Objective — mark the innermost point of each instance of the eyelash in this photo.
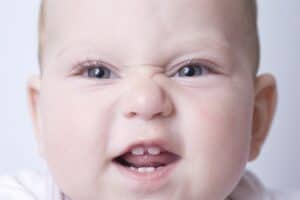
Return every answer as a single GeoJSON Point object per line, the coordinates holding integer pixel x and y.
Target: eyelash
{"type": "Point", "coordinates": [83, 67]}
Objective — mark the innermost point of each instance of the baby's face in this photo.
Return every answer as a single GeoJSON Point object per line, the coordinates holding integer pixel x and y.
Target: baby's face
{"type": "Point", "coordinates": [174, 76]}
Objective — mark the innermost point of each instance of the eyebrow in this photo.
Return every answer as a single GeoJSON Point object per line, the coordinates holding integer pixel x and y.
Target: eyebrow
{"type": "Point", "coordinates": [216, 46]}
{"type": "Point", "coordinates": [174, 48]}
{"type": "Point", "coordinates": [211, 41]}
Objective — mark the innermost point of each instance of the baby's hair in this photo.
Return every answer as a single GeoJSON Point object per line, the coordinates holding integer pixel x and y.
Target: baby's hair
{"type": "Point", "coordinates": [42, 34]}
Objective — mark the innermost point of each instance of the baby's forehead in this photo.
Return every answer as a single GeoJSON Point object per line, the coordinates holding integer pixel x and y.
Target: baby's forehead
{"type": "Point", "coordinates": [142, 25]}
{"type": "Point", "coordinates": [170, 14]}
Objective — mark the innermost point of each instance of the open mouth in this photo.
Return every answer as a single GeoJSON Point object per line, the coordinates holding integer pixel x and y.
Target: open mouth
{"type": "Point", "coordinates": [144, 161]}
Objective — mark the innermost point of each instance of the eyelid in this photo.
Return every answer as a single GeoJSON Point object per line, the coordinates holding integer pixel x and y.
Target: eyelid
{"type": "Point", "coordinates": [80, 66]}
{"type": "Point", "coordinates": [213, 68]}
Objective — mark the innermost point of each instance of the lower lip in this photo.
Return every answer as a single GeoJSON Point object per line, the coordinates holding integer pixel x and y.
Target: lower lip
{"type": "Point", "coordinates": [152, 180]}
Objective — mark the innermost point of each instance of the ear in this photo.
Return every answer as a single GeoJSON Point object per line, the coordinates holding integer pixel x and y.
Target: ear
{"type": "Point", "coordinates": [264, 109]}
{"type": "Point", "coordinates": [33, 93]}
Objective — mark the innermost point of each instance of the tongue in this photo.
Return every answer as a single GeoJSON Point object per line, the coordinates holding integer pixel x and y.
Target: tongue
{"type": "Point", "coordinates": [148, 160]}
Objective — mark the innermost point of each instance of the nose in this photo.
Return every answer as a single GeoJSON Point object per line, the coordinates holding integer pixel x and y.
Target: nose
{"type": "Point", "coordinates": [146, 99]}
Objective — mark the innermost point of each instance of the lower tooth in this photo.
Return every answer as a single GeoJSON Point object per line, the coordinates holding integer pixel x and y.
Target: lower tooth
{"type": "Point", "coordinates": [133, 168]}
{"type": "Point", "coordinates": [146, 169]}
{"type": "Point", "coordinates": [150, 169]}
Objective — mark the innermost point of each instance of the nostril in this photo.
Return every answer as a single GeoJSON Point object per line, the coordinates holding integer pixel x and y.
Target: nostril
{"type": "Point", "coordinates": [133, 114]}
{"type": "Point", "coordinates": [130, 114]}
{"type": "Point", "coordinates": [158, 114]}
{"type": "Point", "coordinates": [145, 115]}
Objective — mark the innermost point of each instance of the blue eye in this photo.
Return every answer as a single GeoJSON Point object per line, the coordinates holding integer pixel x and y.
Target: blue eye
{"type": "Point", "coordinates": [192, 69]}
{"type": "Point", "coordinates": [100, 72]}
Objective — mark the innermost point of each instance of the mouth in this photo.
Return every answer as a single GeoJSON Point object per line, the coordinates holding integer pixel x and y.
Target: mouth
{"type": "Point", "coordinates": [146, 162]}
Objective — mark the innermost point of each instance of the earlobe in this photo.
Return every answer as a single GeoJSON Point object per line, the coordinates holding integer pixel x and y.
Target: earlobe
{"type": "Point", "coordinates": [263, 113]}
{"type": "Point", "coordinates": [33, 93]}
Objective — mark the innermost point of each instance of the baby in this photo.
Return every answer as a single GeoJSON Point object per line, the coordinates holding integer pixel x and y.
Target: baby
{"type": "Point", "coordinates": [148, 100]}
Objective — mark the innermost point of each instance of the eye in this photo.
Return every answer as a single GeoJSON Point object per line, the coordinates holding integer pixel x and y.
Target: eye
{"type": "Point", "coordinates": [98, 72]}
{"type": "Point", "coordinates": [192, 69]}
{"type": "Point", "coordinates": [95, 69]}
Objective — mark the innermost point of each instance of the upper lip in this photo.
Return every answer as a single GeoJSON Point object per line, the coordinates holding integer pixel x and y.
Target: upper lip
{"type": "Point", "coordinates": [162, 144]}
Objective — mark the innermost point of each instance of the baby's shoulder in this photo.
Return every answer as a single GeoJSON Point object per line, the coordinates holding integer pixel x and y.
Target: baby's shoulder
{"type": "Point", "coordinates": [251, 187]}
{"type": "Point", "coordinates": [23, 185]}
{"type": "Point", "coordinates": [285, 194]}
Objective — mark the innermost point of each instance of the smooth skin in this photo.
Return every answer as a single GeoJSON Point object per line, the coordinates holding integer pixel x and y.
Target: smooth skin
{"type": "Point", "coordinates": [217, 120]}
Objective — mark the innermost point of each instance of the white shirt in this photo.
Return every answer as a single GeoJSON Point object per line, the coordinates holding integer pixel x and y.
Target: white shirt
{"type": "Point", "coordinates": [33, 185]}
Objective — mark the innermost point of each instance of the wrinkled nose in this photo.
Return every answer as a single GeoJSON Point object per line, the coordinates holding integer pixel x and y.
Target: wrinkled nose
{"type": "Point", "coordinates": [147, 100]}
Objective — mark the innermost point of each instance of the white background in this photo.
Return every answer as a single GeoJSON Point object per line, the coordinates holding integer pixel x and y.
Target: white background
{"type": "Point", "coordinates": [279, 23]}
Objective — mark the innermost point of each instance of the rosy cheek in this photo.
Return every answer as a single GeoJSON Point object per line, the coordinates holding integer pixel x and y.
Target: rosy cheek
{"type": "Point", "coordinates": [219, 117]}
{"type": "Point", "coordinates": [74, 129]}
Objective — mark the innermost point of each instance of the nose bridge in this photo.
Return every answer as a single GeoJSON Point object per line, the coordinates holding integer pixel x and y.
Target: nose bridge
{"type": "Point", "coordinates": [144, 70]}
{"type": "Point", "coordinates": [145, 97]}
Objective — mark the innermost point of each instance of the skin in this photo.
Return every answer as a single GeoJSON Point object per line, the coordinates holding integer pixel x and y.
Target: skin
{"type": "Point", "coordinates": [217, 121]}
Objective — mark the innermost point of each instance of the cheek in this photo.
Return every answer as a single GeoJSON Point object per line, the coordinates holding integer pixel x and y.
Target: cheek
{"type": "Point", "coordinates": [219, 122]}
{"type": "Point", "coordinates": [75, 131]}
{"type": "Point", "coordinates": [216, 127]}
